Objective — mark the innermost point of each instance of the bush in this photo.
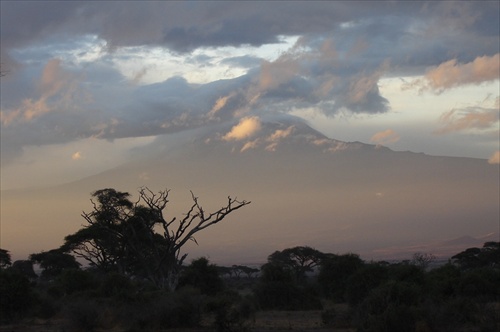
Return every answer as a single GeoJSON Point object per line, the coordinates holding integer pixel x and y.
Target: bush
{"type": "Point", "coordinates": [451, 314]}
{"type": "Point", "coordinates": [202, 275]}
{"type": "Point", "coordinates": [118, 286]}
{"type": "Point", "coordinates": [72, 281]}
{"type": "Point", "coordinates": [84, 315]}
{"type": "Point", "coordinates": [335, 272]}
{"type": "Point", "coordinates": [46, 306]}
{"type": "Point", "coordinates": [389, 307]}
{"type": "Point", "coordinates": [363, 281]}
{"type": "Point", "coordinates": [162, 310]}
{"type": "Point", "coordinates": [16, 295]}
{"type": "Point", "coordinates": [338, 317]}
{"type": "Point", "coordinates": [232, 312]}
{"type": "Point", "coordinates": [276, 295]}
{"type": "Point", "coordinates": [481, 284]}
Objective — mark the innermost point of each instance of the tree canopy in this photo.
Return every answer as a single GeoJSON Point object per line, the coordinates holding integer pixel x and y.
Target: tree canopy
{"type": "Point", "coordinates": [124, 236]}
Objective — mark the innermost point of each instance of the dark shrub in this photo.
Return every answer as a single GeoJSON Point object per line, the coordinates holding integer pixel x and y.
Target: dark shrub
{"type": "Point", "coordinates": [276, 295]}
{"type": "Point", "coordinates": [451, 314]}
{"type": "Point", "coordinates": [202, 275]}
{"type": "Point", "coordinates": [338, 317]}
{"type": "Point", "coordinates": [442, 282]}
{"type": "Point", "coordinates": [16, 295]}
{"type": "Point", "coordinates": [46, 306]}
{"type": "Point", "coordinates": [363, 281]}
{"type": "Point", "coordinates": [231, 311]}
{"type": "Point", "coordinates": [84, 315]}
{"type": "Point", "coordinates": [162, 310]}
{"type": "Point", "coordinates": [389, 308]}
{"type": "Point", "coordinates": [335, 272]}
{"type": "Point", "coordinates": [72, 281]}
{"type": "Point", "coordinates": [482, 284]}
{"type": "Point", "coordinates": [117, 285]}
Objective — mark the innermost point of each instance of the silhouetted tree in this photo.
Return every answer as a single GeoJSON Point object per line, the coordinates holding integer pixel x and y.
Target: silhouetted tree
{"type": "Point", "coordinates": [281, 285]}
{"type": "Point", "coordinates": [5, 260]}
{"type": "Point", "coordinates": [248, 271]}
{"type": "Point", "coordinates": [423, 260]}
{"type": "Point", "coordinates": [487, 256]}
{"type": "Point", "coordinates": [202, 275]}
{"type": "Point", "coordinates": [24, 267]}
{"type": "Point", "coordinates": [123, 236]}
{"type": "Point", "coordinates": [335, 272]}
{"type": "Point", "coordinates": [299, 260]}
{"type": "Point", "coordinates": [54, 261]}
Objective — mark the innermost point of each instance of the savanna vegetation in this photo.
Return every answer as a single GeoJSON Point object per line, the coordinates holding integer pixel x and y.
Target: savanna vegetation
{"type": "Point", "coordinates": [136, 278]}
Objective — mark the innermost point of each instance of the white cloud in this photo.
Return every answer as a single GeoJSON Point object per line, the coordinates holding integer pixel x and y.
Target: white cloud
{"type": "Point", "coordinates": [247, 127]}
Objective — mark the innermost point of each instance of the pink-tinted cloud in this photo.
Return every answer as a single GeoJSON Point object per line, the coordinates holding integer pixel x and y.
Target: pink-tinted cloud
{"type": "Point", "coordinates": [57, 89]}
{"type": "Point", "coordinates": [495, 158]}
{"type": "Point", "coordinates": [280, 133]}
{"type": "Point", "coordinates": [247, 127]}
{"type": "Point", "coordinates": [385, 137]}
{"type": "Point", "coordinates": [77, 155]}
{"type": "Point", "coordinates": [219, 104]}
{"type": "Point", "coordinates": [250, 145]}
{"type": "Point", "coordinates": [470, 118]}
{"type": "Point", "coordinates": [451, 74]}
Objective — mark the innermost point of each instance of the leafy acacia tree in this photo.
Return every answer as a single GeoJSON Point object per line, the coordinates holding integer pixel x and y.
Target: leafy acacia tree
{"type": "Point", "coordinates": [487, 256]}
{"type": "Point", "coordinates": [298, 260]}
{"type": "Point", "coordinates": [136, 238]}
{"type": "Point", "coordinates": [54, 262]}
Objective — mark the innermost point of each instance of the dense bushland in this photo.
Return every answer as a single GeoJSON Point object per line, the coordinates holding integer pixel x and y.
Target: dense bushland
{"type": "Point", "coordinates": [373, 296]}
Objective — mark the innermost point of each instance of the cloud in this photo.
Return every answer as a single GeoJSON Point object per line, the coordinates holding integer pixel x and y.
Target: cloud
{"type": "Point", "coordinates": [57, 89]}
{"type": "Point", "coordinates": [495, 158]}
{"type": "Point", "coordinates": [250, 145]}
{"type": "Point", "coordinates": [451, 74]}
{"type": "Point", "coordinates": [467, 119]}
{"type": "Point", "coordinates": [273, 74]}
{"type": "Point", "coordinates": [77, 155]}
{"type": "Point", "coordinates": [342, 52]}
{"type": "Point", "coordinates": [219, 104]}
{"type": "Point", "coordinates": [385, 137]}
{"type": "Point", "coordinates": [280, 133]}
{"type": "Point", "coordinates": [247, 127]}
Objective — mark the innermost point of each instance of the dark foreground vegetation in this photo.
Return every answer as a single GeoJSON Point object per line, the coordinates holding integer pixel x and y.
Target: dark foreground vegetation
{"type": "Point", "coordinates": [136, 281]}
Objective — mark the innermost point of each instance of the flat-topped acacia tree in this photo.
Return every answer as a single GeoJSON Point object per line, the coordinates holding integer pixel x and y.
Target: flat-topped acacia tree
{"type": "Point", "coordinates": [136, 239]}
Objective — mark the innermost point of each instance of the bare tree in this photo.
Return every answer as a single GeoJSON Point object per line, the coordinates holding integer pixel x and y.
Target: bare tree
{"type": "Point", "coordinates": [423, 260]}
{"type": "Point", "coordinates": [125, 235]}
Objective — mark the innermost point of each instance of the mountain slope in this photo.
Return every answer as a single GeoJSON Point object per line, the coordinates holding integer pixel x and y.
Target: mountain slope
{"type": "Point", "coordinates": [305, 188]}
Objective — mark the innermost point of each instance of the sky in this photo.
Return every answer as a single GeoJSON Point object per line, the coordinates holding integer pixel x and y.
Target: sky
{"type": "Point", "coordinates": [87, 82]}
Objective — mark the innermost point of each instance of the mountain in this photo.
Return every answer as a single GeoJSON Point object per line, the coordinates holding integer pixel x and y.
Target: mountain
{"type": "Point", "coordinates": [305, 188]}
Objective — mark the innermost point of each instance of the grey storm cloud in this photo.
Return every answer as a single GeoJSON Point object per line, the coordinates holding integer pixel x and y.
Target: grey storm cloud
{"type": "Point", "coordinates": [184, 26]}
{"type": "Point", "coordinates": [343, 49]}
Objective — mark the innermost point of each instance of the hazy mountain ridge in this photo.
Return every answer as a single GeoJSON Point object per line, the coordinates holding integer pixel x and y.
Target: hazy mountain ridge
{"type": "Point", "coordinates": [305, 188]}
